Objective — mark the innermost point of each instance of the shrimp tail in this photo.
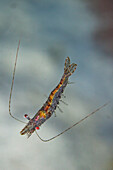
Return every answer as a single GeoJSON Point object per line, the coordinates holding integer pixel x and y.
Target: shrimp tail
{"type": "Point", "coordinates": [69, 68]}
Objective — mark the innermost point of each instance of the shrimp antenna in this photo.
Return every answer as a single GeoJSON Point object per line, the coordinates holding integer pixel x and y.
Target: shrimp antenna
{"type": "Point", "coordinates": [12, 86]}
{"type": "Point", "coordinates": [47, 140]}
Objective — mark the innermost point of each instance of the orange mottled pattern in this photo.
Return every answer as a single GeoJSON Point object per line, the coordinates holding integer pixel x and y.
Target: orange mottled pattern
{"type": "Point", "coordinates": [51, 96]}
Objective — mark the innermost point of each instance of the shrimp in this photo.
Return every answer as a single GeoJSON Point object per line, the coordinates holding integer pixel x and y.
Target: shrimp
{"type": "Point", "coordinates": [50, 105]}
{"type": "Point", "coordinates": [52, 102]}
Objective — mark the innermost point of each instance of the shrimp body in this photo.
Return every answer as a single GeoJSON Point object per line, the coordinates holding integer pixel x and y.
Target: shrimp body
{"type": "Point", "coordinates": [52, 102]}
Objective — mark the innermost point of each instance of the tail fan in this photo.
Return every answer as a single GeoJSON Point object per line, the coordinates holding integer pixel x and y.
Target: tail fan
{"type": "Point", "coordinates": [69, 68]}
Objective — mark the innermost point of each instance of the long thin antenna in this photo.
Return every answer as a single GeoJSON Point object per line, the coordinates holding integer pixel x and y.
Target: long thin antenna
{"type": "Point", "coordinates": [47, 140]}
{"type": "Point", "coordinates": [12, 86]}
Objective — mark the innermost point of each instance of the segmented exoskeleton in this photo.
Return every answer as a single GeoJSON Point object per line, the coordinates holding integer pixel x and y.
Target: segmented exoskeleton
{"type": "Point", "coordinates": [53, 100]}
{"type": "Point", "coordinates": [50, 105]}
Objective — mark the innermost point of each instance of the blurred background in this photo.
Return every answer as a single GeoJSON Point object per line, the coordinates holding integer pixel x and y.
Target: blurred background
{"type": "Point", "coordinates": [49, 31]}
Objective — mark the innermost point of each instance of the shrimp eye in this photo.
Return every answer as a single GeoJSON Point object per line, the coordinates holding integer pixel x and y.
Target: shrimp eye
{"type": "Point", "coordinates": [37, 128]}
{"type": "Point", "coordinates": [27, 117]}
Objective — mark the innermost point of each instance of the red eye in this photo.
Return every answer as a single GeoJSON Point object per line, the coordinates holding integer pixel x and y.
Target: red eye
{"type": "Point", "coordinates": [25, 115]}
{"type": "Point", "coordinates": [37, 128]}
